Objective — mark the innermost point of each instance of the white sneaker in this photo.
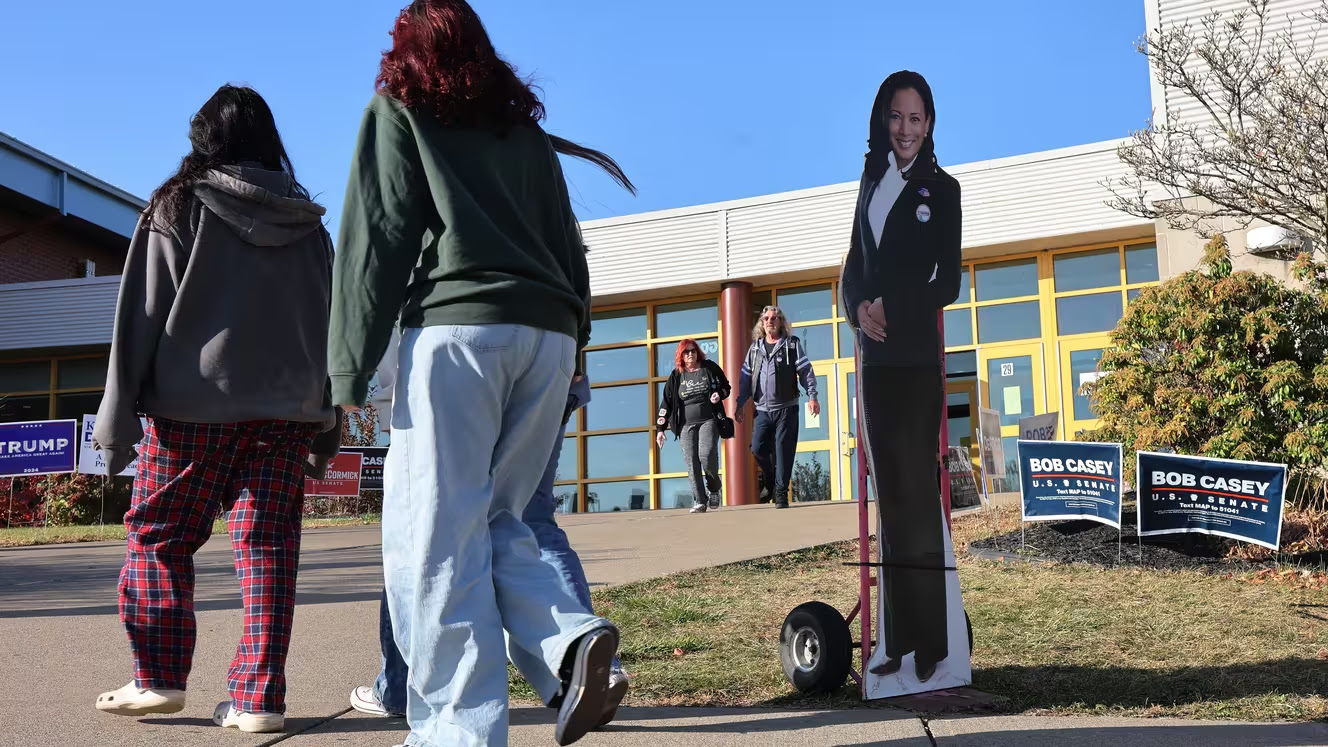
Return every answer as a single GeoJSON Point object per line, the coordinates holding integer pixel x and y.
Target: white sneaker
{"type": "Point", "coordinates": [698, 508]}
{"type": "Point", "coordinates": [226, 717]}
{"type": "Point", "coordinates": [132, 700]}
{"type": "Point", "coordinates": [364, 700]}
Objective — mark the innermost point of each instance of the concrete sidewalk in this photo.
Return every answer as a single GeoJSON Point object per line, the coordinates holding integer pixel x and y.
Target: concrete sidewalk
{"type": "Point", "coordinates": [61, 643]}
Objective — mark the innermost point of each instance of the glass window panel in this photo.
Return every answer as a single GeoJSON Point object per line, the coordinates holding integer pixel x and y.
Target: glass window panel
{"type": "Point", "coordinates": [1010, 383]}
{"type": "Point", "coordinates": [1099, 312]}
{"type": "Point", "coordinates": [75, 406]}
{"type": "Point", "coordinates": [675, 492]}
{"type": "Point", "coordinates": [806, 304]}
{"type": "Point", "coordinates": [24, 409]}
{"type": "Point", "coordinates": [619, 454]}
{"type": "Point", "coordinates": [959, 418]}
{"type": "Point", "coordinates": [760, 300]}
{"type": "Point", "coordinates": [818, 341]}
{"type": "Point", "coordinates": [815, 428]}
{"type": "Point", "coordinates": [670, 454]}
{"type": "Point", "coordinates": [853, 476]}
{"type": "Point", "coordinates": [1009, 321]}
{"type": "Point", "coordinates": [614, 407]}
{"type": "Point", "coordinates": [847, 340]}
{"type": "Point", "coordinates": [664, 353]}
{"type": "Point", "coordinates": [633, 495]}
{"type": "Point", "coordinates": [81, 373]}
{"type": "Point", "coordinates": [965, 286]}
{"type": "Point", "coordinates": [811, 476]}
{"type": "Point", "coordinates": [34, 376]}
{"type": "Point", "coordinates": [618, 364]}
{"type": "Point", "coordinates": [623, 325]}
{"type": "Point", "coordinates": [565, 496]}
{"type": "Point", "coordinates": [961, 365]}
{"type": "Point", "coordinates": [1007, 279]}
{"type": "Point", "coordinates": [566, 462]}
{"type": "Point", "coordinates": [958, 327]}
{"type": "Point", "coordinates": [1133, 293]}
{"type": "Point", "coordinates": [687, 319]}
{"type": "Point", "coordinates": [851, 381]}
{"type": "Point", "coordinates": [1083, 369]}
{"type": "Point", "coordinates": [1141, 264]}
{"type": "Point", "coordinates": [1084, 270]}
{"type": "Point", "coordinates": [1010, 445]}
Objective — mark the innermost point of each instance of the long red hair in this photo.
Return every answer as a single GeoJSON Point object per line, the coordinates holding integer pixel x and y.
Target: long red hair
{"type": "Point", "coordinates": [443, 62]}
{"type": "Point", "coordinates": [683, 347]}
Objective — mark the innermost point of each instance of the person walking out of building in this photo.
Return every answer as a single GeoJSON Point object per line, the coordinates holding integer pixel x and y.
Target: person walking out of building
{"type": "Point", "coordinates": [220, 339]}
{"type": "Point", "coordinates": [387, 696]}
{"type": "Point", "coordinates": [902, 268]}
{"type": "Point", "coordinates": [775, 363]}
{"type": "Point", "coordinates": [689, 406]}
{"type": "Point", "coordinates": [457, 219]}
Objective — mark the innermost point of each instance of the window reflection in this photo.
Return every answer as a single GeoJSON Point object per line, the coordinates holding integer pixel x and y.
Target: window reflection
{"type": "Point", "coordinates": [617, 364]}
{"type": "Point", "coordinates": [847, 341]}
{"type": "Point", "coordinates": [817, 341]}
{"type": "Point", "coordinates": [565, 496]}
{"type": "Point", "coordinates": [958, 327]}
{"type": "Point", "coordinates": [687, 319]}
{"type": "Point", "coordinates": [1084, 270]}
{"type": "Point", "coordinates": [811, 476]}
{"type": "Point", "coordinates": [632, 495]}
{"type": "Point", "coordinates": [1083, 370]}
{"type": "Point", "coordinates": [675, 492]}
{"type": "Point", "coordinates": [1141, 264]}
{"type": "Point", "coordinates": [621, 454]}
{"type": "Point", "coordinates": [1099, 312]}
{"type": "Point", "coordinates": [566, 461]}
{"type": "Point", "coordinates": [613, 407]}
{"type": "Point", "coordinates": [808, 304]}
{"type": "Point", "coordinates": [1007, 280]}
{"type": "Point", "coordinates": [1009, 321]}
{"type": "Point", "coordinates": [665, 352]}
{"type": "Point", "coordinates": [80, 373]}
{"type": "Point", "coordinates": [623, 325]}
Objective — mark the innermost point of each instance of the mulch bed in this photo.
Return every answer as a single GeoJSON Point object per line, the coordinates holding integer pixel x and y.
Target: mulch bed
{"type": "Point", "coordinates": [1096, 544]}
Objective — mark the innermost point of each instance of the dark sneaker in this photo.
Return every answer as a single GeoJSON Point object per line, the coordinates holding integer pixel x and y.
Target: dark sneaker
{"type": "Point", "coordinates": [715, 501]}
{"type": "Point", "coordinates": [586, 686]}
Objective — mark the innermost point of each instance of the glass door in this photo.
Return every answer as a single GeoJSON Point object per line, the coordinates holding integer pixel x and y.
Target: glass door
{"type": "Point", "coordinates": [848, 432]}
{"type": "Point", "coordinates": [1014, 385]}
{"type": "Point", "coordinates": [1079, 359]}
{"type": "Point", "coordinates": [961, 416]}
{"type": "Point", "coordinates": [815, 476]}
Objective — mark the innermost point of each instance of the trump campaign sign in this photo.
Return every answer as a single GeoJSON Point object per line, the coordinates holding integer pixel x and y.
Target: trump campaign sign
{"type": "Point", "coordinates": [1224, 497]}
{"type": "Point", "coordinates": [44, 447]}
{"type": "Point", "coordinates": [1064, 480]}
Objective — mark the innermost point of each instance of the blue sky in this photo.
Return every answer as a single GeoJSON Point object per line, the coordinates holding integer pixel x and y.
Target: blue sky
{"type": "Point", "coordinates": [699, 100]}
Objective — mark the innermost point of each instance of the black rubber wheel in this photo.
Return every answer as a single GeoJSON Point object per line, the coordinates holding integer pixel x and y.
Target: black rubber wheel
{"type": "Point", "coordinates": [815, 648]}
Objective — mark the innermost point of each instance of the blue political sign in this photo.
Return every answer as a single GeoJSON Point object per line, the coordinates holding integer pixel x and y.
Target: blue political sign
{"type": "Point", "coordinates": [1225, 497]}
{"type": "Point", "coordinates": [46, 447]}
{"type": "Point", "coordinates": [1062, 480]}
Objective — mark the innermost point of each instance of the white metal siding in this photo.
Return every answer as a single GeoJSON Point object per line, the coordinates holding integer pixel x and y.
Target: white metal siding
{"type": "Point", "coordinates": [57, 314]}
{"type": "Point", "coordinates": [1182, 109]}
{"type": "Point", "coordinates": [1056, 197]}
{"type": "Point", "coordinates": [654, 253]}
{"type": "Point", "coordinates": [797, 234]}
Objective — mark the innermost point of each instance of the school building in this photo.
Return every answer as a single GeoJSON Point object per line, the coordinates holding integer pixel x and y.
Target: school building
{"type": "Point", "coordinates": [1049, 269]}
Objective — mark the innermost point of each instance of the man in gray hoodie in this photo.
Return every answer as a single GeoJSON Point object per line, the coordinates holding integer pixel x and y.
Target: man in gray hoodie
{"type": "Point", "coordinates": [220, 339]}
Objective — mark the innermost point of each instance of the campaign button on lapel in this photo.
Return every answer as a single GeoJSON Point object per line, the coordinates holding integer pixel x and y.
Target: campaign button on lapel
{"type": "Point", "coordinates": [924, 213]}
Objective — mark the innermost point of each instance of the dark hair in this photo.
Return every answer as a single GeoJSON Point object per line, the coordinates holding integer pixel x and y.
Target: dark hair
{"type": "Point", "coordinates": [232, 127]}
{"type": "Point", "coordinates": [878, 140]}
{"type": "Point", "coordinates": [443, 63]}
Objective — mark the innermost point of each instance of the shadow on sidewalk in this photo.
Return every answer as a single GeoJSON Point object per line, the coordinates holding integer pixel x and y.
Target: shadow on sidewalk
{"type": "Point", "coordinates": [1215, 734]}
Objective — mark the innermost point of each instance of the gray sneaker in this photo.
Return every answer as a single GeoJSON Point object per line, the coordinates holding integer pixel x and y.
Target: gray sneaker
{"type": "Point", "coordinates": [618, 684]}
{"type": "Point", "coordinates": [715, 501]}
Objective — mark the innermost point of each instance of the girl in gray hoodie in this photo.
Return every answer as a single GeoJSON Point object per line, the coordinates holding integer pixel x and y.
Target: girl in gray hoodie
{"type": "Point", "coordinates": [220, 339]}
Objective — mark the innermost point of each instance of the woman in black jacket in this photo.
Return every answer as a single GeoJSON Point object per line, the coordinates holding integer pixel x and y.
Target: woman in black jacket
{"type": "Point", "coordinates": [902, 268]}
{"type": "Point", "coordinates": [690, 406]}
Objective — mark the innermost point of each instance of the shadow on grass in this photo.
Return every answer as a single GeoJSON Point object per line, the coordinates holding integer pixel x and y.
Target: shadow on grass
{"type": "Point", "coordinates": [1193, 688]}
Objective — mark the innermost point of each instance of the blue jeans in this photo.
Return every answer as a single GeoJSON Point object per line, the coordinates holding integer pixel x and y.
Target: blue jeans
{"type": "Point", "coordinates": [474, 411]}
{"type": "Point", "coordinates": [390, 687]}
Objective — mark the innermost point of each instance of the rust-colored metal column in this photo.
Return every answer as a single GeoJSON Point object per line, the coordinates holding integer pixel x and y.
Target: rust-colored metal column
{"type": "Point", "coordinates": [735, 319]}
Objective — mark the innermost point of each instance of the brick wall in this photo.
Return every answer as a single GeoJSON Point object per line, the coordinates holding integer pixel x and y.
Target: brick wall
{"type": "Point", "coordinates": [48, 253]}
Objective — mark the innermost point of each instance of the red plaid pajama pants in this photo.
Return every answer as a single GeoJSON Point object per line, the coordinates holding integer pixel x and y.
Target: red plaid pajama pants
{"type": "Point", "coordinates": [188, 474]}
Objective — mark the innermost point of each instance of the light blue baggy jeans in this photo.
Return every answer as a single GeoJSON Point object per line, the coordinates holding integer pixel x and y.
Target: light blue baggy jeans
{"type": "Point", "coordinates": [474, 416]}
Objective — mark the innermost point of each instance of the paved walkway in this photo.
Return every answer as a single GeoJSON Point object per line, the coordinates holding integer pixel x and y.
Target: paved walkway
{"type": "Point", "coordinates": [61, 643]}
